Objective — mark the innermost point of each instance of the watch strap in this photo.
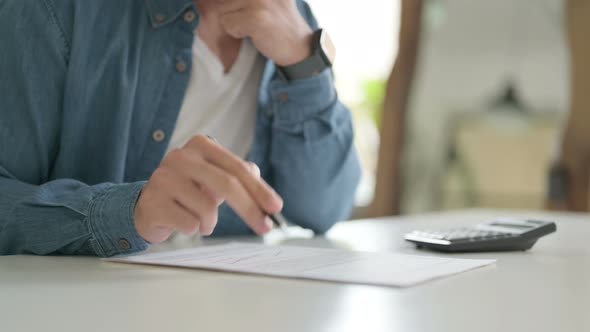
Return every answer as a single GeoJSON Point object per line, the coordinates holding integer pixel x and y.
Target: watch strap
{"type": "Point", "coordinates": [312, 66]}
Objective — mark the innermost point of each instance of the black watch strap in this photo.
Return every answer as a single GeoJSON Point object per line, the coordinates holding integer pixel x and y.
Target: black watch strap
{"type": "Point", "coordinates": [312, 66]}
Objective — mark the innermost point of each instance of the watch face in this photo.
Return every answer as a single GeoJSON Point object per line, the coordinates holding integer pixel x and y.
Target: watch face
{"type": "Point", "coordinates": [328, 47]}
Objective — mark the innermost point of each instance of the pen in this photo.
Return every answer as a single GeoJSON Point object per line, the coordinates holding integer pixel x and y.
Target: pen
{"type": "Point", "coordinates": [278, 219]}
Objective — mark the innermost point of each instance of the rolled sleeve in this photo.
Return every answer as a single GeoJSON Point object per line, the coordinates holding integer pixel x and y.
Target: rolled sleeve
{"type": "Point", "coordinates": [111, 220]}
{"type": "Point", "coordinates": [300, 100]}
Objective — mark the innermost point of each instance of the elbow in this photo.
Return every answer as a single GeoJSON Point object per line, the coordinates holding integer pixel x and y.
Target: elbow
{"type": "Point", "coordinates": [321, 218]}
{"type": "Point", "coordinates": [327, 178]}
{"type": "Point", "coordinates": [334, 203]}
{"type": "Point", "coordinates": [324, 220]}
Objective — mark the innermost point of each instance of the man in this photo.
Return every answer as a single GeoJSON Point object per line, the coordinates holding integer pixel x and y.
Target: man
{"type": "Point", "coordinates": [100, 96]}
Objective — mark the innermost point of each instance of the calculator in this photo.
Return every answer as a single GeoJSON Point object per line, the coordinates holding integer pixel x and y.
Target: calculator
{"type": "Point", "coordinates": [498, 235]}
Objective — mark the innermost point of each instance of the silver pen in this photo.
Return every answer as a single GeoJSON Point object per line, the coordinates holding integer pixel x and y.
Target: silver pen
{"type": "Point", "coordinates": [279, 220]}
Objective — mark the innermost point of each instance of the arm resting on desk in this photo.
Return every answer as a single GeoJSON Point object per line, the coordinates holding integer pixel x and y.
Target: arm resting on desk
{"type": "Point", "coordinates": [313, 159]}
{"type": "Point", "coordinates": [314, 162]}
{"type": "Point", "coordinates": [68, 217]}
{"type": "Point", "coordinates": [39, 216]}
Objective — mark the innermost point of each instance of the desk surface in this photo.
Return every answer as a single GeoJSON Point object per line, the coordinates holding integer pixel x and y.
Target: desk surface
{"type": "Point", "coordinates": [544, 289]}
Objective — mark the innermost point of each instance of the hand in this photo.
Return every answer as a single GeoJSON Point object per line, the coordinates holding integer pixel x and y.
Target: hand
{"type": "Point", "coordinates": [185, 192]}
{"type": "Point", "coordinates": [276, 28]}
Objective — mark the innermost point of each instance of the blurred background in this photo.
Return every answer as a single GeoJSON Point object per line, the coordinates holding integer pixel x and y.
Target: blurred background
{"type": "Point", "coordinates": [463, 104]}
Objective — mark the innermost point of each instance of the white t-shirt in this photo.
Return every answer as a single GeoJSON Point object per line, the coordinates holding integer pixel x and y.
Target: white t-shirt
{"type": "Point", "coordinates": [218, 104]}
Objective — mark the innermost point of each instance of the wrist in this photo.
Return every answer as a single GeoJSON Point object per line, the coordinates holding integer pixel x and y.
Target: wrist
{"type": "Point", "coordinates": [321, 58]}
{"type": "Point", "coordinates": [300, 48]}
{"type": "Point", "coordinates": [111, 220]}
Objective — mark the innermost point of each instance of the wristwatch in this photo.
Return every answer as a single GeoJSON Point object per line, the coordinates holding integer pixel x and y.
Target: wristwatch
{"type": "Point", "coordinates": [322, 57]}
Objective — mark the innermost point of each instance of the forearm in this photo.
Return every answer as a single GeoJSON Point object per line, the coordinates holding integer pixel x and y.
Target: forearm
{"type": "Point", "coordinates": [68, 217]}
{"type": "Point", "coordinates": [314, 164]}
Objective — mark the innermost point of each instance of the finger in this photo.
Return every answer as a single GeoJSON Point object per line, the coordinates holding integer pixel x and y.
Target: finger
{"type": "Point", "coordinates": [207, 211]}
{"type": "Point", "coordinates": [175, 214]}
{"type": "Point", "coordinates": [235, 194]}
{"type": "Point", "coordinates": [261, 192]}
{"type": "Point", "coordinates": [254, 169]}
{"type": "Point", "coordinates": [228, 6]}
{"type": "Point", "coordinates": [216, 198]}
{"type": "Point", "coordinates": [239, 23]}
{"type": "Point", "coordinates": [150, 227]}
{"type": "Point", "coordinates": [180, 219]}
{"type": "Point", "coordinates": [222, 184]}
{"type": "Point", "coordinates": [191, 197]}
{"type": "Point", "coordinates": [207, 225]}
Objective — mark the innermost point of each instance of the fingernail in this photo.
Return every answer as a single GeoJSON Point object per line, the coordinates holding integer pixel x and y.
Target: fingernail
{"type": "Point", "coordinates": [213, 138]}
{"type": "Point", "coordinates": [254, 168]}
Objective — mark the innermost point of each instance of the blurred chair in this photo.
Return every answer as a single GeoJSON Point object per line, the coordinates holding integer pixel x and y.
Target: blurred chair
{"type": "Point", "coordinates": [570, 176]}
{"type": "Point", "coordinates": [498, 157]}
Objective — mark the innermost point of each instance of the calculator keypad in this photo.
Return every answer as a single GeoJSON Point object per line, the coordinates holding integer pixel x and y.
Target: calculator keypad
{"type": "Point", "coordinates": [499, 235]}
{"type": "Point", "coordinates": [463, 234]}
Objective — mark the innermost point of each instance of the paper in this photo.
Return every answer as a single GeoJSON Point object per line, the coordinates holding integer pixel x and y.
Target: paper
{"type": "Point", "coordinates": [384, 269]}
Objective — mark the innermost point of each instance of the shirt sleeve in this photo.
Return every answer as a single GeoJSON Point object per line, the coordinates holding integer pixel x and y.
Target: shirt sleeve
{"type": "Point", "coordinates": [314, 162]}
{"type": "Point", "coordinates": [68, 217]}
{"type": "Point", "coordinates": [39, 215]}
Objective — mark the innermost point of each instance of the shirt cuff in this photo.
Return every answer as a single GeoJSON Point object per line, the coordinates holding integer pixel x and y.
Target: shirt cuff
{"type": "Point", "coordinates": [300, 100]}
{"type": "Point", "coordinates": [111, 220]}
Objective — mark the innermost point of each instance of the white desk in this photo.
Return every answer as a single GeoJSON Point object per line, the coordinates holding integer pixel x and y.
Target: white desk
{"type": "Point", "coordinates": [545, 289]}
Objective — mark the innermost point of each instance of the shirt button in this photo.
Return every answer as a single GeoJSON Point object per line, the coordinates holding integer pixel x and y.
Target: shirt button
{"type": "Point", "coordinates": [124, 244]}
{"type": "Point", "coordinates": [159, 135]}
{"type": "Point", "coordinates": [189, 16]}
{"type": "Point", "coordinates": [181, 66]}
{"type": "Point", "coordinates": [160, 18]}
{"type": "Point", "coordinates": [284, 97]}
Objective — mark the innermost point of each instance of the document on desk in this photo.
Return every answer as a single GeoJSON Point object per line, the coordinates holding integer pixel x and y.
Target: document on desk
{"type": "Point", "coordinates": [382, 268]}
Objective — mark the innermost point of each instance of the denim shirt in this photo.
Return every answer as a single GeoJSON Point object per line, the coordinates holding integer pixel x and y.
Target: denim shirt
{"type": "Point", "coordinates": [87, 88]}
